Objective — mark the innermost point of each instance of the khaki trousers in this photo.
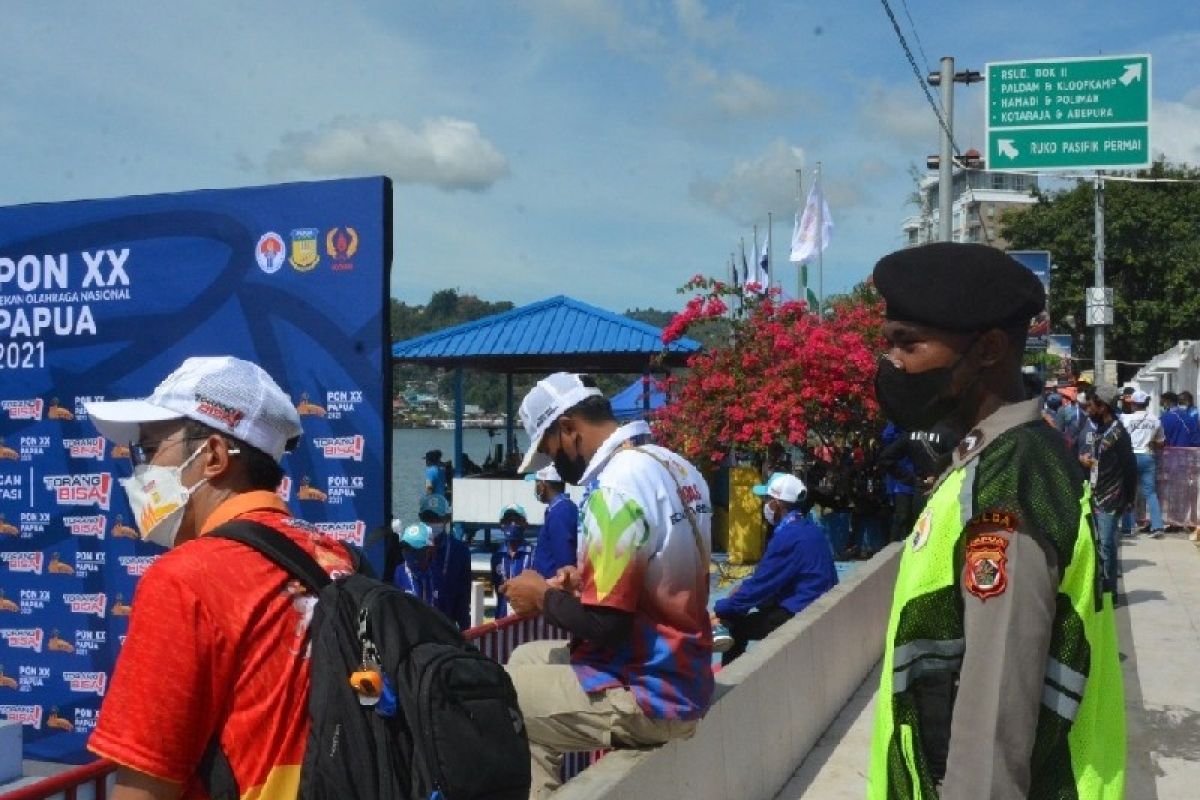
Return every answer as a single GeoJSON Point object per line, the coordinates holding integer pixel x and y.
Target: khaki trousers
{"type": "Point", "coordinates": [562, 718]}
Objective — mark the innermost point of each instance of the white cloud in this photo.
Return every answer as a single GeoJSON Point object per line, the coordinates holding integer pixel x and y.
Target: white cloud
{"type": "Point", "coordinates": [699, 27]}
{"type": "Point", "coordinates": [1175, 131]}
{"type": "Point", "coordinates": [733, 94]}
{"type": "Point", "coordinates": [752, 187]}
{"type": "Point", "coordinates": [443, 152]}
{"type": "Point", "coordinates": [602, 17]}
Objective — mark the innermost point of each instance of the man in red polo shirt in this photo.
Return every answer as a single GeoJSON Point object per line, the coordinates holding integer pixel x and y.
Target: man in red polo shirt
{"type": "Point", "coordinates": [217, 647]}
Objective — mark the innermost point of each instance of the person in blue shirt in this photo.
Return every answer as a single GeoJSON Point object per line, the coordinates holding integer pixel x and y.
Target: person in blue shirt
{"type": "Point", "coordinates": [451, 562]}
{"type": "Point", "coordinates": [1180, 428]}
{"type": "Point", "coordinates": [513, 557]}
{"type": "Point", "coordinates": [796, 569]}
{"type": "Point", "coordinates": [435, 474]}
{"type": "Point", "coordinates": [416, 574]}
{"type": "Point", "coordinates": [556, 544]}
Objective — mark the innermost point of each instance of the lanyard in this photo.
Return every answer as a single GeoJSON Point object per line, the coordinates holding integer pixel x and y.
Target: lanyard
{"type": "Point", "coordinates": [419, 589]}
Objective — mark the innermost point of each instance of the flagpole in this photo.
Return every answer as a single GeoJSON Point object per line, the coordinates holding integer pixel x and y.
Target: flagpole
{"type": "Point", "coordinates": [770, 260]}
{"type": "Point", "coordinates": [820, 246]}
{"type": "Point", "coordinates": [800, 287]}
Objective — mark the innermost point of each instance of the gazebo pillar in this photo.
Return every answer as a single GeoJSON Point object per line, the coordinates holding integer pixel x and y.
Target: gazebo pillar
{"type": "Point", "coordinates": [458, 422]}
{"type": "Point", "coordinates": [510, 439]}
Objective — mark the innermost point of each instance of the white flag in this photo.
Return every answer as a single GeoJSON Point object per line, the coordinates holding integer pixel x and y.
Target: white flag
{"type": "Point", "coordinates": [807, 241]}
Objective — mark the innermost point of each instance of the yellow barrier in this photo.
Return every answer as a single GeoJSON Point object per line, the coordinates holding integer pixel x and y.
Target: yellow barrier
{"type": "Point", "coordinates": [747, 532]}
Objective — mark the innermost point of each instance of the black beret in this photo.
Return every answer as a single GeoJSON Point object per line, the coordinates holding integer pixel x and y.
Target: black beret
{"type": "Point", "coordinates": [958, 287]}
{"type": "Point", "coordinates": [433, 455]}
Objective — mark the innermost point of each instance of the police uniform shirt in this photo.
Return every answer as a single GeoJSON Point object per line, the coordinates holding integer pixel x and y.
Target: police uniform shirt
{"type": "Point", "coordinates": [1000, 686]}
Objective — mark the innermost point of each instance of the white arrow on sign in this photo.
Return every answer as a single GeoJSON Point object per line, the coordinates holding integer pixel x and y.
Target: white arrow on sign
{"type": "Point", "coordinates": [1133, 72]}
{"type": "Point", "coordinates": [1005, 148]}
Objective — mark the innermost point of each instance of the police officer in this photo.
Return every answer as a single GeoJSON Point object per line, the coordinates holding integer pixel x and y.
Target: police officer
{"type": "Point", "coordinates": [1000, 675]}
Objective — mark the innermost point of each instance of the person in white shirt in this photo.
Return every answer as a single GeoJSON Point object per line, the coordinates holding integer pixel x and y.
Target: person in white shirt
{"type": "Point", "coordinates": [1146, 433]}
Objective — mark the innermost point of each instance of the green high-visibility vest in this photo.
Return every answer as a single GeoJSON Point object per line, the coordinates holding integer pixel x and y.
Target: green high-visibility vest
{"type": "Point", "coordinates": [1079, 745]}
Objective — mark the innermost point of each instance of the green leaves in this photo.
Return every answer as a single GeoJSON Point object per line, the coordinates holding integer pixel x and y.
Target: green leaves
{"type": "Point", "coordinates": [1152, 259]}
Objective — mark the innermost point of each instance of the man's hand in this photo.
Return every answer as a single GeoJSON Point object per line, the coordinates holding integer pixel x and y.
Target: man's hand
{"type": "Point", "coordinates": [567, 579]}
{"type": "Point", "coordinates": [1087, 461]}
{"type": "Point", "coordinates": [526, 592]}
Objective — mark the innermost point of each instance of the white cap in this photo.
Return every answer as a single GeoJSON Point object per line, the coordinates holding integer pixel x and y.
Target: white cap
{"type": "Point", "coordinates": [782, 486]}
{"type": "Point", "coordinates": [552, 397]}
{"type": "Point", "coordinates": [227, 394]}
{"type": "Point", "coordinates": [1140, 397]}
{"type": "Point", "coordinates": [547, 473]}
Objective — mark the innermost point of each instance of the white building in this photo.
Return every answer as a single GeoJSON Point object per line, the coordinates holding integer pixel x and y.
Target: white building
{"type": "Point", "coordinates": [980, 197]}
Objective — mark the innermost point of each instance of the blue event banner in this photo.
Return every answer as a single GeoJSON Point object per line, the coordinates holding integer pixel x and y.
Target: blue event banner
{"type": "Point", "coordinates": [102, 299]}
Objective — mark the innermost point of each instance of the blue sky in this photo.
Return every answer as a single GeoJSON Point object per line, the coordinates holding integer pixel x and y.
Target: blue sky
{"type": "Point", "coordinates": [606, 149]}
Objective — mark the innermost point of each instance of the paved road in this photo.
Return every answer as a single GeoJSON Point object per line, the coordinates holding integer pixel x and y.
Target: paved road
{"type": "Point", "coordinates": [1159, 627]}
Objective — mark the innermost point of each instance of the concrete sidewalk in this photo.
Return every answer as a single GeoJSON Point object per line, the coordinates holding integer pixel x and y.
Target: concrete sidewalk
{"type": "Point", "coordinates": [1158, 623]}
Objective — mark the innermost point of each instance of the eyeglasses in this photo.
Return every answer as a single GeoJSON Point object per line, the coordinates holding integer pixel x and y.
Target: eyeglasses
{"type": "Point", "coordinates": [144, 452]}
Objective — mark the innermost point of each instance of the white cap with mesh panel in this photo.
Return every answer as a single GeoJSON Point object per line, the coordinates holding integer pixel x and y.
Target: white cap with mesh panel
{"type": "Point", "coordinates": [227, 394]}
{"type": "Point", "coordinates": [552, 397]}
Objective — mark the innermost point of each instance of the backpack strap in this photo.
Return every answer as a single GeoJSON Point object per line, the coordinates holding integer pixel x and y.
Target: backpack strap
{"type": "Point", "coordinates": [277, 548]}
{"type": "Point", "coordinates": [214, 770]}
{"type": "Point", "coordinates": [687, 509]}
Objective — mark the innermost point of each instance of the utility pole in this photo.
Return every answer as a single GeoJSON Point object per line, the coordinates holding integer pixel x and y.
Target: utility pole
{"type": "Point", "coordinates": [946, 161]}
{"type": "Point", "coordinates": [946, 78]}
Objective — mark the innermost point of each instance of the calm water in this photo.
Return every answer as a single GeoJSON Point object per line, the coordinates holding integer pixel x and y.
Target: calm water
{"type": "Point", "coordinates": [408, 460]}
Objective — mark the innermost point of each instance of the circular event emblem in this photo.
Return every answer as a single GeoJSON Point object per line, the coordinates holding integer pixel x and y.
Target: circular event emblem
{"type": "Point", "coordinates": [269, 253]}
{"type": "Point", "coordinates": [920, 534]}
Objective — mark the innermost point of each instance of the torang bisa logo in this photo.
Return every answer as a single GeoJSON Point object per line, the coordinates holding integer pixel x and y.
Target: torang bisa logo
{"type": "Point", "coordinates": [90, 525]}
{"type": "Point", "coordinates": [87, 603]}
{"type": "Point", "coordinates": [23, 562]}
{"type": "Point", "coordinates": [23, 638]}
{"type": "Point", "coordinates": [26, 715]}
{"type": "Point", "coordinates": [85, 448]}
{"type": "Point", "coordinates": [81, 490]}
{"type": "Point", "coordinates": [348, 447]}
{"type": "Point", "coordinates": [136, 566]}
{"type": "Point", "coordinates": [23, 409]}
{"type": "Point", "coordinates": [352, 532]}
{"type": "Point", "coordinates": [86, 682]}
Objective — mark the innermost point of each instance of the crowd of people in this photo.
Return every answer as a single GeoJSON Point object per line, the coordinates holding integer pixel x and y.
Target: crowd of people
{"type": "Point", "coordinates": [999, 645]}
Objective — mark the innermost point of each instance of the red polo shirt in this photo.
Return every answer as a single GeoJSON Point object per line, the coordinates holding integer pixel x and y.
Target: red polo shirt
{"type": "Point", "coordinates": [218, 642]}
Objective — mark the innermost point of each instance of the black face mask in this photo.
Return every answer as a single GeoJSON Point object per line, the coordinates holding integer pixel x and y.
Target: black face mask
{"type": "Point", "coordinates": [569, 469]}
{"type": "Point", "coordinates": [916, 401]}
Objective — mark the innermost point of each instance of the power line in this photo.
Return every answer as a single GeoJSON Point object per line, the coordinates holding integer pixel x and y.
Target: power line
{"type": "Point", "coordinates": [917, 36]}
{"type": "Point", "coordinates": [937, 110]}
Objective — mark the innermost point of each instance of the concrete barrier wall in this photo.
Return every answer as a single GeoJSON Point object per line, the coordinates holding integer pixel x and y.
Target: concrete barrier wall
{"type": "Point", "coordinates": [771, 706]}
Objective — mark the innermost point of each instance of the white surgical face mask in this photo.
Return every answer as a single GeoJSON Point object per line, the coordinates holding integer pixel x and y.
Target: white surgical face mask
{"type": "Point", "coordinates": [769, 514]}
{"type": "Point", "coordinates": [158, 499]}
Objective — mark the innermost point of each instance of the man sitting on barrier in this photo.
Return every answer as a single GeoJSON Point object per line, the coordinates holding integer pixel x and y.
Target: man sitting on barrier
{"type": "Point", "coordinates": [637, 671]}
{"type": "Point", "coordinates": [796, 569]}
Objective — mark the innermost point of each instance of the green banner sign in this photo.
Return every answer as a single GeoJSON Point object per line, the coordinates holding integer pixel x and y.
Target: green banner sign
{"type": "Point", "coordinates": [1069, 113]}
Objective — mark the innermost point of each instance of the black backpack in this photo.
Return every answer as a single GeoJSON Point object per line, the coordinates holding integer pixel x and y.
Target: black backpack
{"type": "Point", "coordinates": [450, 728]}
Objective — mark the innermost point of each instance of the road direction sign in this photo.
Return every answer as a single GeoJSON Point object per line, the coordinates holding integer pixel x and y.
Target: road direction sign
{"type": "Point", "coordinates": [1069, 113]}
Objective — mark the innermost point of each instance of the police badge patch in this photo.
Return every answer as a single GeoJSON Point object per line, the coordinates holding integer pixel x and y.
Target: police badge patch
{"type": "Point", "coordinates": [984, 573]}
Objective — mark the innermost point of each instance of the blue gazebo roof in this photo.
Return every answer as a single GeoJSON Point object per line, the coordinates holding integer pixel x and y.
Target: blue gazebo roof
{"type": "Point", "coordinates": [559, 333]}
